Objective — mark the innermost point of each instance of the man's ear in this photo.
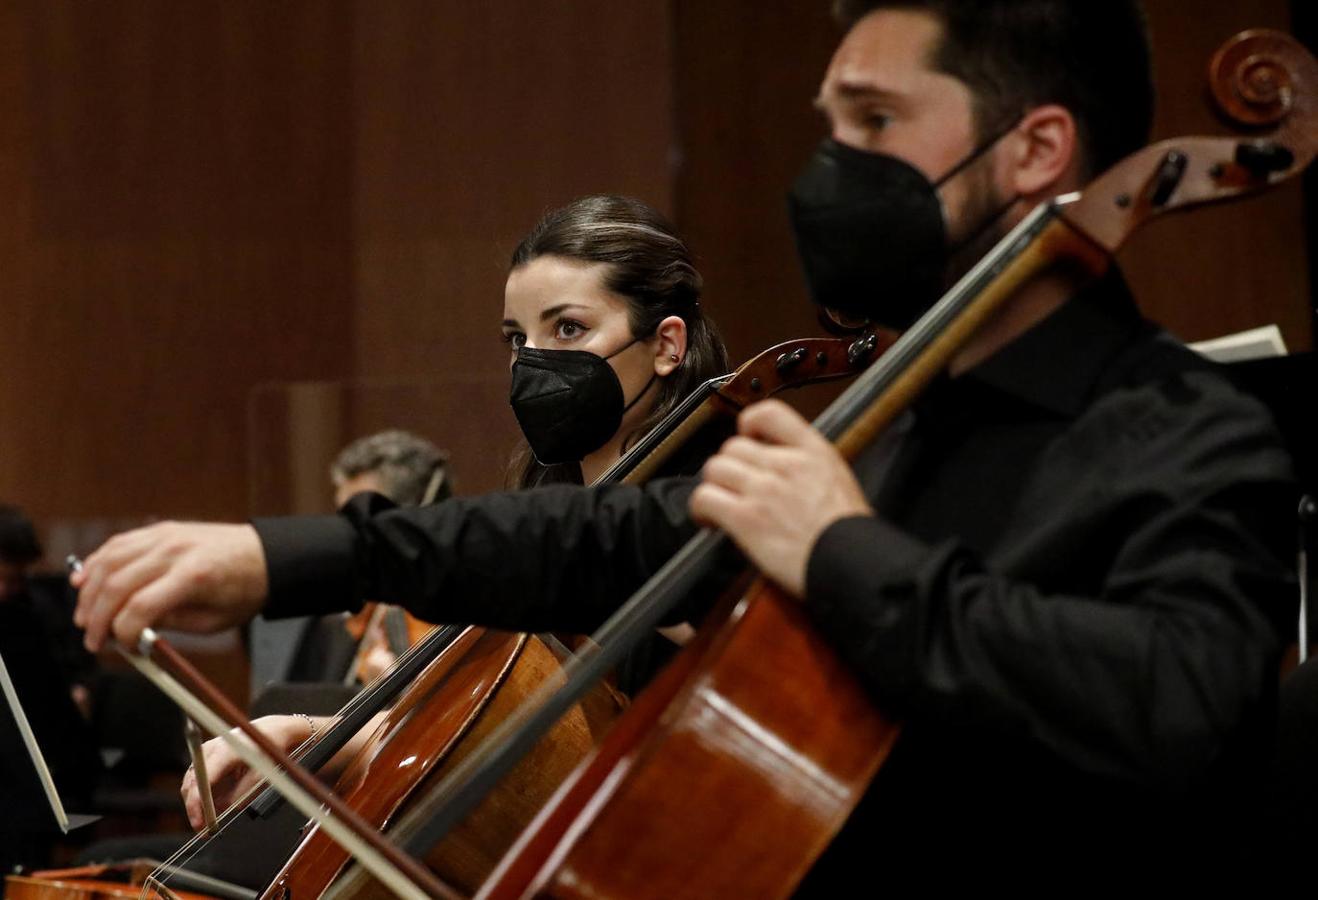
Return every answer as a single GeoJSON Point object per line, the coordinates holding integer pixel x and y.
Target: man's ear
{"type": "Point", "coordinates": [1044, 155]}
{"type": "Point", "coordinates": [669, 345]}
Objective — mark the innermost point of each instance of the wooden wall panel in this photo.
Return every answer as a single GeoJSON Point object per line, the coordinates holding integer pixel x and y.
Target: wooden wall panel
{"type": "Point", "coordinates": [177, 179]}
{"type": "Point", "coordinates": [471, 121]}
{"type": "Point", "coordinates": [746, 74]}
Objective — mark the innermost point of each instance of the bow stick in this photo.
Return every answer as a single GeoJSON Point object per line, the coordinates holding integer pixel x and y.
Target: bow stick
{"type": "Point", "coordinates": [167, 669]}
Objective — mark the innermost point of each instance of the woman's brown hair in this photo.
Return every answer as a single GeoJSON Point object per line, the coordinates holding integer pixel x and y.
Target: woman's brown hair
{"type": "Point", "coordinates": [650, 267]}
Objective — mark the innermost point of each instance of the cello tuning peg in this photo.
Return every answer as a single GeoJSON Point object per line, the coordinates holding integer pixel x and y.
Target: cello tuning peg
{"type": "Point", "coordinates": [791, 359]}
{"type": "Point", "coordinates": [1168, 178]}
{"type": "Point", "coordinates": [862, 348]}
{"type": "Point", "coordinates": [1263, 158]}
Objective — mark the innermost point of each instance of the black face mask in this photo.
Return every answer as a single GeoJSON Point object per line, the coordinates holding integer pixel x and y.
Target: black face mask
{"type": "Point", "coordinates": [568, 402]}
{"type": "Point", "coordinates": [871, 232]}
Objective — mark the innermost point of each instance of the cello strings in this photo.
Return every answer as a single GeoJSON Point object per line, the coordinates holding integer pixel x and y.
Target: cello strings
{"type": "Point", "coordinates": [466, 784]}
{"type": "Point", "coordinates": [652, 441]}
{"type": "Point", "coordinates": [186, 853]}
{"type": "Point", "coordinates": [190, 849]}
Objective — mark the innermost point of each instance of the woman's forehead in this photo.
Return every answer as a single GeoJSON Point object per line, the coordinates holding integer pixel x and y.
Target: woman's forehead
{"type": "Point", "coordinates": [549, 282]}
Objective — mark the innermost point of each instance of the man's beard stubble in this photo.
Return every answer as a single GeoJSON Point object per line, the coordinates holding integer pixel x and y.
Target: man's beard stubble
{"type": "Point", "coordinates": [979, 227]}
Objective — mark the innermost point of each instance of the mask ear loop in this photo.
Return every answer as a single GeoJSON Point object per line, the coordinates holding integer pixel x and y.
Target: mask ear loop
{"type": "Point", "coordinates": [643, 392]}
{"type": "Point", "coordinates": [980, 149]}
{"type": "Point", "coordinates": [989, 221]}
{"type": "Point", "coordinates": [973, 157]}
{"type": "Point", "coordinates": [627, 346]}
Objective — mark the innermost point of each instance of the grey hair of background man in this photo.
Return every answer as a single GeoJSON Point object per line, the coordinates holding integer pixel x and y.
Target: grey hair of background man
{"type": "Point", "coordinates": [407, 465]}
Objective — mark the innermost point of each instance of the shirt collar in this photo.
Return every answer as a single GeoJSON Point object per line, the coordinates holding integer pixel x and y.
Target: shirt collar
{"type": "Point", "coordinates": [1056, 363]}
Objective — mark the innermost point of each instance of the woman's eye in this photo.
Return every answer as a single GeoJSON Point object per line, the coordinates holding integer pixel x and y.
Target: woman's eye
{"type": "Point", "coordinates": [878, 121]}
{"type": "Point", "coordinates": [567, 329]}
{"type": "Point", "coordinates": [515, 338]}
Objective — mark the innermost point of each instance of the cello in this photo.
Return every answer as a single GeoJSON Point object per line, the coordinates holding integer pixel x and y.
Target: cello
{"type": "Point", "coordinates": [719, 723]}
{"type": "Point", "coordinates": [457, 712]}
{"type": "Point", "coordinates": [122, 881]}
{"type": "Point", "coordinates": [411, 750]}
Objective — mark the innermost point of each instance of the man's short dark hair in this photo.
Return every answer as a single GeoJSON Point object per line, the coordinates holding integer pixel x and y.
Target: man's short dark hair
{"type": "Point", "coordinates": [18, 539]}
{"type": "Point", "coordinates": [1090, 56]}
{"type": "Point", "coordinates": [406, 464]}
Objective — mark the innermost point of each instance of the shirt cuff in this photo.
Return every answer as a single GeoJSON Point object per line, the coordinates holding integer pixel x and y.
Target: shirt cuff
{"type": "Point", "coordinates": [856, 557]}
{"type": "Point", "coordinates": [863, 591]}
{"type": "Point", "coordinates": [310, 564]}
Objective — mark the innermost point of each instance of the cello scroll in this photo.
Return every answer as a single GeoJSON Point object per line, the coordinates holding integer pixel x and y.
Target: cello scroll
{"type": "Point", "coordinates": [1260, 78]}
{"type": "Point", "coordinates": [1257, 76]}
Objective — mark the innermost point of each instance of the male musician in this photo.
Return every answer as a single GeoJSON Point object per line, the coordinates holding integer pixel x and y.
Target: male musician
{"type": "Point", "coordinates": [404, 467]}
{"type": "Point", "coordinates": [409, 470]}
{"type": "Point", "coordinates": [1059, 571]}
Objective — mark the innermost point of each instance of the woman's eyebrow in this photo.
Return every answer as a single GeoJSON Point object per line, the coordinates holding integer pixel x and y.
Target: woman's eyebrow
{"type": "Point", "coordinates": [555, 310]}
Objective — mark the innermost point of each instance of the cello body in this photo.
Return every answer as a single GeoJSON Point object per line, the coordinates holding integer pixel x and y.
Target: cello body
{"type": "Point", "coordinates": [121, 881]}
{"type": "Point", "coordinates": [483, 676]}
{"type": "Point", "coordinates": [467, 689]}
{"type": "Point", "coordinates": [787, 756]}
{"type": "Point", "coordinates": [452, 725]}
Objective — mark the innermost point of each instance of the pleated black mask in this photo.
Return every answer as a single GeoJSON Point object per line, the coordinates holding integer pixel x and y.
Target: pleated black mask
{"type": "Point", "coordinates": [568, 403]}
{"type": "Point", "coordinates": [871, 233]}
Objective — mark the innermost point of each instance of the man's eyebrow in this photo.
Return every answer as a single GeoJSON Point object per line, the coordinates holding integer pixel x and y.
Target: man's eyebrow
{"type": "Point", "coordinates": [859, 91]}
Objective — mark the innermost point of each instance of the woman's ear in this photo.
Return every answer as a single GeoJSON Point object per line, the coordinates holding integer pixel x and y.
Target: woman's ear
{"type": "Point", "coordinates": [669, 345]}
{"type": "Point", "coordinates": [1045, 155]}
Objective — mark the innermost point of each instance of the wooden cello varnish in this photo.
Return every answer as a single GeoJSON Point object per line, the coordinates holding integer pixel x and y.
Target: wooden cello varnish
{"type": "Point", "coordinates": [467, 690]}
{"type": "Point", "coordinates": [121, 881]}
{"type": "Point", "coordinates": [511, 666]}
{"type": "Point", "coordinates": [660, 788]}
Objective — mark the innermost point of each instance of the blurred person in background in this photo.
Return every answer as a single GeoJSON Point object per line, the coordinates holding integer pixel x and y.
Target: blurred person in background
{"type": "Point", "coordinates": [51, 673]}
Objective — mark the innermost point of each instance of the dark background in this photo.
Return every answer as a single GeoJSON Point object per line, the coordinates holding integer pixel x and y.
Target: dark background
{"type": "Point", "coordinates": [1305, 23]}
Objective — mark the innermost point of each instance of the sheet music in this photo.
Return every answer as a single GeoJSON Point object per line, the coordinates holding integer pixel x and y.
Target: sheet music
{"type": "Point", "coordinates": [1257, 343]}
{"type": "Point", "coordinates": [29, 739]}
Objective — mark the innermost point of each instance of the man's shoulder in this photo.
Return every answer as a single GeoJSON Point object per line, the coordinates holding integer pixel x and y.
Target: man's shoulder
{"type": "Point", "coordinates": [1158, 364]}
{"type": "Point", "coordinates": [1152, 356]}
{"type": "Point", "coordinates": [1160, 398]}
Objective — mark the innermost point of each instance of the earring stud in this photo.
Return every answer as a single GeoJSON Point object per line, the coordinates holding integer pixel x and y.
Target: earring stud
{"type": "Point", "coordinates": [672, 357]}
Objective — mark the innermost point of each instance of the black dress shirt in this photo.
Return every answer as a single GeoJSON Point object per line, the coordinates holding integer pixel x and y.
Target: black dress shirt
{"type": "Point", "coordinates": [1069, 597]}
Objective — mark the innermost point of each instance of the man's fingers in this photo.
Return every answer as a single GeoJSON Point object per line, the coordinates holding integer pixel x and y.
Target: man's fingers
{"type": "Point", "coordinates": [148, 605]}
{"type": "Point", "coordinates": [117, 586]}
{"type": "Point", "coordinates": [733, 474]}
{"type": "Point", "coordinates": [110, 577]}
{"type": "Point", "coordinates": [109, 598]}
{"type": "Point", "coordinates": [111, 556]}
{"type": "Point", "coordinates": [711, 504]}
{"type": "Point", "coordinates": [782, 460]}
{"type": "Point", "coordinates": [774, 422]}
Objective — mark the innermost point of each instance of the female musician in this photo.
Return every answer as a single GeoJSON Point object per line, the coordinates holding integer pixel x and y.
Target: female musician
{"type": "Point", "coordinates": [606, 334]}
